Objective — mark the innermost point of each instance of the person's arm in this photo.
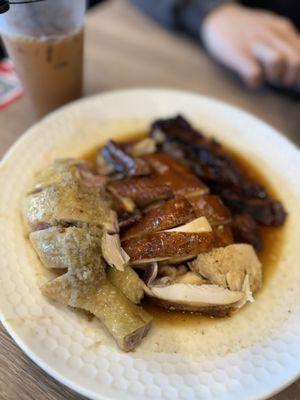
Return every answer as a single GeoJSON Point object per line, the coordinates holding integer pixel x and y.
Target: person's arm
{"type": "Point", "coordinates": [183, 15]}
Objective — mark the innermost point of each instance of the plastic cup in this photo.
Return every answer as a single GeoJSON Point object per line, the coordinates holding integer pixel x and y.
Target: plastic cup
{"type": "Point", "coordinates": [45, 42]}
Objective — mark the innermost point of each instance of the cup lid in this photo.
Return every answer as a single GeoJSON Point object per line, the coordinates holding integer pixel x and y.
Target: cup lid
{"type": "Point", "coordinates": [5, 4]}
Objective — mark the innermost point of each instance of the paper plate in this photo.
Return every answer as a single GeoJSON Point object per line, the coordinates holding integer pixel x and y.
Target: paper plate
{"type": "Point", "coordinates": [249, 356]}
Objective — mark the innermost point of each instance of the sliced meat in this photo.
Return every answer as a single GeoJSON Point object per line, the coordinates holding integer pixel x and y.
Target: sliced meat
{"type": "Point", "coordinates": [75, 249]}
{"type": "Point", "coordinates": [142, 191]}
{"type": "Point", "coordinates": [176, 128]}
{"type": "Point", "coordinates": [121, 204]}
{"type": "Point", "coordinates": [190, 278]}
{"type": "Point", "coordinates": [126, 322]}
{"type": "Point", "coordinates": [207, 157]}
{"type": "Point", "coordinates": [170, 214]}
{"type": "Point", "coordinates": [112, 251]}
{"type": "Point", "coordinates": [181, 274]}
{"type": "Point", "coordinates": [60, 194]}
{"type": "Point", "coordinates": [150, 273]}
{"type": "Point", "coordinates": [174, 174]}
{"type": "Point", "coordinates": [171, 272]}
{"type": "Point", "coordinates": [218, 168]}
{"type": "Point", "coordinates": [246, 230]}
{"type": "Point", "coordinates": [167, 244]}
{"type": "Point", "coordinates": [222, 235]}
{"type": "Point", "coordinates": [266, 212]}
{"type": "Point", "coordinates": [174, 150]}
{"type": "Point", "coordinates": [128, 282]}
{"type": "Point", "coordinates": [129, 220]}
{"type": "Point", "coordinates": [211, 207]}
{"type": "Point", "coordinates": [229, 266]}
{"type": "Point", "coordinates": [124, 162]}
{"type": "Point", "coordinates": [91, 178]}
{"type": "Point", "coordinates": [208, 299]}
{"type": "Point", "coordinates": [176, 260]}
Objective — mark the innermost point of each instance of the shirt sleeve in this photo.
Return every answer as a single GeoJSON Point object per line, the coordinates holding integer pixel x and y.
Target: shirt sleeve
{"type": "Point", "coordinates": [183, 15]}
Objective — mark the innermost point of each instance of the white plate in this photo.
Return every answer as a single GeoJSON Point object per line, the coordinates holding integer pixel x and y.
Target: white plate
{"type": "Point", "coordinates": [249, 356]}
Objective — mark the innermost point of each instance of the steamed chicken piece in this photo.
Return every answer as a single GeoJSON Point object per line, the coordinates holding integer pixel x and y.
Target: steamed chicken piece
{"type": "Point", "coordinates": [72, 248]}
{"type": "Point", "coordinates": [60, 195]}
{"type": "Point", "coordinates": [74, 228]}
{"type": "Point", "coordinates": [125, 321]}
{"type": "Point", "coordinates": [53, 174]}
{"type": "Point", "coordinates": [187, 240]}
{"type": "Point", "coordinates": [112, 251]}
{"type": "Point", "coordinates": [230, 266]}
{"type": "Point", "coordinates": [66, 194]}
{"type": "Point", "coordinates": [128, 282]}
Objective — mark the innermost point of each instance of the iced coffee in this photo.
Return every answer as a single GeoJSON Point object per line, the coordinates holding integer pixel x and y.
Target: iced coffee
{"type": "Point", "coordinates": [46, 46]}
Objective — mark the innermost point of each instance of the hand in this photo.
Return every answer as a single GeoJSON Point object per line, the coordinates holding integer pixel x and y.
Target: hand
{"type": "Point", "coordinates": [256, 44]}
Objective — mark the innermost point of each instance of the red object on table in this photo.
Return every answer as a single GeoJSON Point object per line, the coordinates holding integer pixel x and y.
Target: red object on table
{"type": "Point", "coordinates": [10, 86]}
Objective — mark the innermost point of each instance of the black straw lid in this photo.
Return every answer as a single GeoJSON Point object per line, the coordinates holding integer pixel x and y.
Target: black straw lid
{"type": "Point", "coordinates": [5, 4]}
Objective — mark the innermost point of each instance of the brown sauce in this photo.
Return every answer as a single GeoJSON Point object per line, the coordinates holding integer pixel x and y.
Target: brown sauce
{"type": "Point", "coordinates": [272, 239]}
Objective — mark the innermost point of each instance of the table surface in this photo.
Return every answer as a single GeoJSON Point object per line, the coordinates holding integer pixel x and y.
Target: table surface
{"type": "Point", "coordinates": [125, 49]}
